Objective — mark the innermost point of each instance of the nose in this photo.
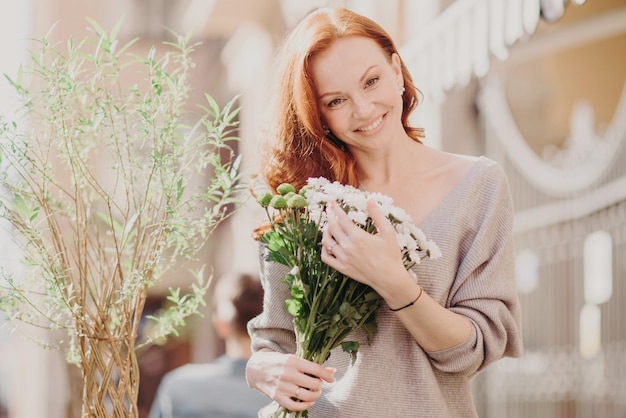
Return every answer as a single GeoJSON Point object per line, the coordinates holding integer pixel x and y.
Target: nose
{"type": "Point", "coordinates": [363, 106]}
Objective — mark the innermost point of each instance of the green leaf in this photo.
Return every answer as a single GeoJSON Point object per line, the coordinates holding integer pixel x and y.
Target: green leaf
{"type": "Point", "coordinates": [33, 216]}
{"type": "Point", "coordinates": [20, 206]}
{"type": "Point", "coordinates": [111, 223]}
{"type": "Point", "coordinates": [293, 307]}
{"type": "Point", "coordinates": [180, 188]}
{"type": "Point", "coordinates": [371, 328]}
{"type": "Point", "coordinates": [297, 292]}
{"type": "Point", "coordinates": [174, 295]}
{"type": "Point", "coordinates": [351, 347]}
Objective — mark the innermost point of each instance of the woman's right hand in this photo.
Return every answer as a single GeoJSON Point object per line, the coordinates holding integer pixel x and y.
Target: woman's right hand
{"type": "Point", "coordinates": [293, 382]}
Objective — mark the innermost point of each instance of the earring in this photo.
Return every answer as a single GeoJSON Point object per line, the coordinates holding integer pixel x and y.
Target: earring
{"type": "Point", "coordinates": [334, 140]}
{"type": "Point", "coordinates": [402, 90]}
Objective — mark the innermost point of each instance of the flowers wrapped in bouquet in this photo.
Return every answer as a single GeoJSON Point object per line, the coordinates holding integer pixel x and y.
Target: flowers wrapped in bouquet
{"type": "Point", "coordinates": [328, 306]}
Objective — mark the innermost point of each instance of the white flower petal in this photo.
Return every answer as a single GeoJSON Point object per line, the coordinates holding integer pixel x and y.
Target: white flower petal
{"type": "Point", "coordinates": [411, 239]}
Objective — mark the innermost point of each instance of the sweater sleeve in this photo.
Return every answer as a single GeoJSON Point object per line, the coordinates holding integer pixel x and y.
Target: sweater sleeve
{"type": "Point", "coordinates": [273, 328]}
{"type": "Point", "coordinates": [484, 289]}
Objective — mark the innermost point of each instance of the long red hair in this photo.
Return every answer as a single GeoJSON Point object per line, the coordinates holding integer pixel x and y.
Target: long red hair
{"type": "Point", "coordinates": [295, 146]}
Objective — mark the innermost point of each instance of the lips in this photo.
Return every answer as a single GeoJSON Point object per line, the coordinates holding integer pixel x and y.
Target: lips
{"type": "Point", "coordinates": [372, 126]}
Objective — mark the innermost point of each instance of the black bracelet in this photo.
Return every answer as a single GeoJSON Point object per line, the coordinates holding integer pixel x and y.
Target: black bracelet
{"type": "Point", "coordinates": [409, 304]}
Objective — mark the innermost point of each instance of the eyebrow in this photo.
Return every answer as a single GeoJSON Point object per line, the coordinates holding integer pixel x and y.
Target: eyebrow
{"type": "Point", "coordinates": [361, 80]}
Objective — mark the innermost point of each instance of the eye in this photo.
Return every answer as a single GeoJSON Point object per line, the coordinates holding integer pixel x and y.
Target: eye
{"type": "Point", "coordinates": [335, 102]}
{"type": "Point", "coordinates": [371, 82]}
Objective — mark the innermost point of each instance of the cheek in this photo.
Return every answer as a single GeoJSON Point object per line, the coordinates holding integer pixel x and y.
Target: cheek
{"type": "Point", "coordinates": [393, 94]}
{"type": "Point", "coordinates": [335, 120]}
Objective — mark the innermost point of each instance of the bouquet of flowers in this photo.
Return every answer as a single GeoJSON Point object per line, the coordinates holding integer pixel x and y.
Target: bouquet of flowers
{"type": "Point", "coordinates": [328, 306]}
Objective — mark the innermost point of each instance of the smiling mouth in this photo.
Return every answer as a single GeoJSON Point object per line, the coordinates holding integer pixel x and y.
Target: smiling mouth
{"type": "Point", "coordinates": [373, 126]}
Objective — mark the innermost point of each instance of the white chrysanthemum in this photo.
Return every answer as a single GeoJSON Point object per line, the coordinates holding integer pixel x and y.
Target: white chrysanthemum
{"type": "Point", "coordinates": [335, 190]}
{"type": "Point", "coordinates": [399, 214]}
{"type": "Point", "coordinates": [402, 228]}
{"type": "Point", "coordinates": [415, 257]}
{"type": "Point", "coordinates": [315, 198]}
{"type": "Point", "coordinates": [384, 200]}
{"type": "Point", "coordinates": [317, 215]}
{"type": "Point", "coordinates": [402, 240]}
{"type": "Point", "coordinates": [433, 248]}
{"type": "Point", "coordinates": [358, 217]}
{"type": "Point", "coordinates": [358, 201]}
{"type": "Point", "coordinates": [317, 182]}
{"type": "Point", "coordinates": [410, 243]}
{"type": "Point", "coordinates": [411, 240]}
{"type": "Point", "coordinates": [417, 233]}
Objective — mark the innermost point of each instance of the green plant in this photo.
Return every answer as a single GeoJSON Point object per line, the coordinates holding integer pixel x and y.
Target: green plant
{"type": "Point", "coordinates": [111, 186]}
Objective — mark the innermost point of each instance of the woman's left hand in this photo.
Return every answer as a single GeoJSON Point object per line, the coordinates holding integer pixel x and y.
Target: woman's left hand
{"type": "Point", "coordinates": [372, 259]}
{"type": "Point", "coordinates": [376, 260]}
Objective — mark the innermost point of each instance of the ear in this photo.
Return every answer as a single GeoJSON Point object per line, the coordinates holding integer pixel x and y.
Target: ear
{"type": "Point", "coordinates": [396, 65]}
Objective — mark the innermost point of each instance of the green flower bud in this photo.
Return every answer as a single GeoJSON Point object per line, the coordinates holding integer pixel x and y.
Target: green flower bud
{"type": "Point", "coordinates": [265, 199]}
{"type": "Point", "coordinates": [278, 202]}
{"type": "Point", "coordinates": [285, 188]}
{"type": "Point", "coordinates": [304, 189]}
{"type": "Point", "coordinates": [297, 201]}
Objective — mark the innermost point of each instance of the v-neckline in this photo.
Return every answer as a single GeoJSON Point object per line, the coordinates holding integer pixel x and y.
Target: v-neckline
{"type": "Point", "coordinates": [455, 190]}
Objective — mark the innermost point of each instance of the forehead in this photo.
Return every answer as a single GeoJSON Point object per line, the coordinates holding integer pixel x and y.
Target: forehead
{"type": "Point", "coordinates": [345, 57]}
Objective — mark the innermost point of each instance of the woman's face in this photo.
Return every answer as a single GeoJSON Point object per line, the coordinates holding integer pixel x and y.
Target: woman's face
{"type": "Point", "coordinates": [359, 92]}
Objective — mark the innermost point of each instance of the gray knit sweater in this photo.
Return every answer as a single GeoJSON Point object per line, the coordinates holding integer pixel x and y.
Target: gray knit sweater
{"type": "Point", "coordinates": [395, 377]}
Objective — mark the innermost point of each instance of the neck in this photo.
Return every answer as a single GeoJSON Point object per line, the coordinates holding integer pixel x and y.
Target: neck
{"type": "Point", "coordinates": [392, 166]}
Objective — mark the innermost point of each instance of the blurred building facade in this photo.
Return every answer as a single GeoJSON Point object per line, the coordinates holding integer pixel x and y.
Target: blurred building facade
{"type": "Point", "coordinates": [551, 108]}
{"type": "Point", "coordinates": [537, 85]}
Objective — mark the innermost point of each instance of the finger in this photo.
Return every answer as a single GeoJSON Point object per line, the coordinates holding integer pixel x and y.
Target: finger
{"type": "Point", "coordinates": [294, 397]}
{"type": "Point", "coordinates": [331, 248]}
{"type": "Point", "coordinates": [327, 239]}
{"type": "Point", "coordinates": [306, 394]}
{"type": "Point", "coordinates": [342, 220]}
{"type": "Point", "coordinates": [339, 225]}
{"type": "Point", "coordinates": [328, 244]}
{"type": "Point", "coordinates": [309, 387]}
{"type": "Point", "coordinates": [302, 395]}
{"type": "Point", "coordinates": [380, 220]}
{"type": "Point", "coordinates": [289, 401]}
{"type": "Point", "coordinates": [308, 383]}
{"type": "Point", "coordinates": [315, 372]}
{"type": "Point", "coordinates": [328, 375]}
{"type": "Point", "coordinates": [294, 405]}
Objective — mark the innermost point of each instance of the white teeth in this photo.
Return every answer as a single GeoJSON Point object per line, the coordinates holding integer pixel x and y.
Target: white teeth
{"type": "Point", "coordinates": [372, 126]}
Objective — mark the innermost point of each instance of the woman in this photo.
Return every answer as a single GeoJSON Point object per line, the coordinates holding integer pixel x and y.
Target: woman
{"type": "Point", "coordinates": [343, 106]}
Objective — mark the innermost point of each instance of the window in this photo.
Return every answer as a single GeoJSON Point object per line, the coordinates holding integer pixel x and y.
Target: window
{"type": "Point", "coordinates": [527, 271]}
{"type": "Point", "coordinates": [598, 267]}
{"type": "Point", "coordinates": [598, 288]}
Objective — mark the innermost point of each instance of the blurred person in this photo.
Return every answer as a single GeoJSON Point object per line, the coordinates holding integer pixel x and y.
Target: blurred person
{"type": "Point", "coordinates": [344, 97]}
{"type": "Point", "coordinates": [218, 389]}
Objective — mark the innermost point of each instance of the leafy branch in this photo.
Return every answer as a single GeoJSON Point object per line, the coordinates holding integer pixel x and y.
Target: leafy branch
{"type": "Point", "coordinates": [111, 186]}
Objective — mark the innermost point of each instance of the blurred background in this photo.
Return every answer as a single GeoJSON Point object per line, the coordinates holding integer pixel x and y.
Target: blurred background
{"type": "Point", "coordinates": [537, 85]}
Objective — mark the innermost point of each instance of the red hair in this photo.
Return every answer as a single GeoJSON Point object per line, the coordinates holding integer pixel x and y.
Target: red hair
{"type": "Point", "coordinates": [296, 146]}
